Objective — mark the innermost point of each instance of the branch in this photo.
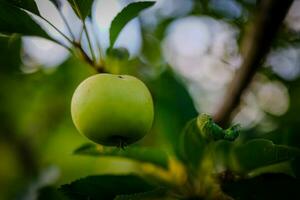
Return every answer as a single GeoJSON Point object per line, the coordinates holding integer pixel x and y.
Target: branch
{"type": "Point", "coordinates": [255, 46]}
{"type": "Point", "coordinates": [98, 67]}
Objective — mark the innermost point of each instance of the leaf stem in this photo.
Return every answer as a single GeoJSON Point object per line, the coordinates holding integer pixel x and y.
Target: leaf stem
{"type": "Point", "coordinates": [62, 34]}
{"type": "Point", "coordinates": [85, 57]}
{"type": "Point", "coordinates": [81, 33]}
{"type": "Point", "coordinates": [85, 30]}
{"type": "Point", "coordinates": [88, 39]}
{"type": "Point", "coordinates": [67, 24]}
{"type": "Point", "coordinates": [59, 31]}
{"type": "Point", "coordinates": [255, 45]}
{"type": "Point", "coordinates": [101, 54]}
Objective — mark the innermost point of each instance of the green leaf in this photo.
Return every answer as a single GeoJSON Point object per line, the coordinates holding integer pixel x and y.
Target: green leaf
{"type": "Point", "coordinates": [267, 186]}
{"type": "Point", "coordinates": [29, 5]}
{"type": "Point", "coordinates": [255, 154]}
{"type": "Point", "coordinates": [127, 14]}
{"type": "Point", "coordinates": [260, 152]}
{"type": "Point", "coordinates": [192, 145]}
{"type": "Point", "coordinates": [173, 109]}
{"type": "Point", "coordinates": [105, 187]}
{"type": "Point", "coordinates": [151, 53]}
{"type": "Point", "coordinates": [212, 131]}
{"type": "Point", "coordinates": [14, 20]}
{"type": "Point", "coordinates": [118, 53]}
{"type": "Point", "coordinates": [10, 58]}
{"type": "Point", "coordinates": [209, 129]}
{"type": "Point", "coordinates": [82, 8]}
{"type": "Point", "coordinates": [156, 194]}
{"type": "Point", "coordinates": [141, 154]}
{"type": "Point", "coordinates": [50, 193]}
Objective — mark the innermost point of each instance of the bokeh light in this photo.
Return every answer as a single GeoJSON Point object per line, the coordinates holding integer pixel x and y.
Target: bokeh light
{"type": "Point", "coordinates": [203, 51]}
{"type": "Point", "coordinates": [293, 18]}
{"type": "Point", "coordinates": [42, 52]}
{"type": "Point", "coordinates": [273, 98]}
{"type": "Point", "coordinates": [263, 97]}
{"type": "Point", "coordinates": [166, 9]}
{"type": "Point", "coordinates": [285, 62]}
{"type": "Point", "coordinates": [230, 8]}
{"type": "Point", "coordinates": [103, 13]}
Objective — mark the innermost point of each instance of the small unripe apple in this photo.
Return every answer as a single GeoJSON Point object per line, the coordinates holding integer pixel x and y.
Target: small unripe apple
{"type": "Point", "coordinates": [112, 110]}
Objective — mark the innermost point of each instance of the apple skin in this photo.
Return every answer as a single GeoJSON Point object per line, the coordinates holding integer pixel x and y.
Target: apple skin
{"type": "Point", "coordinates": [112, 110]}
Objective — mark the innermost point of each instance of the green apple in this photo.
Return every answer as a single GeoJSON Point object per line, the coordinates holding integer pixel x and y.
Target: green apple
{"type": "Point", "coordinates": [112, 110]}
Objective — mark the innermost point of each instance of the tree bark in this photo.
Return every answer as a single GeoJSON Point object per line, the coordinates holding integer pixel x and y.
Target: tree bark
{"type": "Point", "coordinates": [254, 48]}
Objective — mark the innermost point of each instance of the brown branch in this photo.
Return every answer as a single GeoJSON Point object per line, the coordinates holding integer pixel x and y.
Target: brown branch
{"type": "Point", "coordinates": [98, 67]}
{"type": "Point", "coordinates": [255, 46]}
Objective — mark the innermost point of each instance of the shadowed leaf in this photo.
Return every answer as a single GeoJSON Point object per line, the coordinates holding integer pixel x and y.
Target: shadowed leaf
{"type": "Point", "coordinates": [268, 186]}
{"type": "Point", "coordinates": [82, 8]}
{"type": "Point", "coordinates": [14, 20]}
{"type": "Point", "coordinates": [105, 187]}
{"type": "Point", "coordinates": [192, 145]}
{"type": "Point", "coordinates": [255, 154]}
{"type": "Point", "coordinates": [157, 194]}
{"type": "Point", "coordinates": [127, 14]}
{"type": "Point", "coordinates": [29, 5]}
{"type": "Point", "coordinates": [142, 154]}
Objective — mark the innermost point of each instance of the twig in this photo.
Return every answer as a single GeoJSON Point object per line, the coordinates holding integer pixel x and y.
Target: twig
{"type": "Point", "coordinates": [88, 39]}
{"type": "Point", "coordinates": [67, 24]}
{"type": "Point", "coordinates": [62, 34]}
{"type": "Point", "coordinates": [85, 30]}
{"type": "Point", "coordinates": [101, 54]}
{"type": "Point", "coordinates": [86, 58]}
{"type": "Point", "coordinates": [80, 36]}
{"type": "Point", "coordinates": [255, 46]}
{"type": "Point", "coordinates": [59, 31]}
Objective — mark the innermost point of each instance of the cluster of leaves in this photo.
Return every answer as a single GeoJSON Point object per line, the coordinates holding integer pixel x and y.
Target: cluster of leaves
{"type": "Point", "coordinates": [208, 165]}
{"type": "Point", "coordinates": [17, 17]}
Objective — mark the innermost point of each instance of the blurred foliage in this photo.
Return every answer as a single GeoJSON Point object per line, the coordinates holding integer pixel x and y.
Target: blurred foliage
{"type": "Point", "coordinates": [123, 185]}
{"type": "Point", "coordinates": [268, 186]}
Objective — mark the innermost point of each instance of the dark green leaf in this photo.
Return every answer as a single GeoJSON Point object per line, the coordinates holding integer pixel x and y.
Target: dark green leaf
{"type": "Point", "coordinates": [14, 20]}
{"type": "Point", "coordinates": [268, 186]}
{"type": "Point", "coordinates": [105, 187]}
{"type": "Point", "coordinates": [50, 193]}
{"type": "Point", "coordinates": [82, 8]}
{"type": "Point", "coordinates": [142, 154]}
{"type": "Point", "coordinates": [260, 152]}
{"type": "Point", "coordinates": [173, 109]}
{"type": "Point", "coordinates": [212, 131]}
{"type": "Point", "coordinates": [296, 167]}
{"type": "Point", "coordinates": [151, 53]}
{"type": "Point", "coordinates": [255, 154]}
{"type": "Point", "coordinates": [209, 129]}
{"type": "Point", "coordinates": [156, 194]}
{"type": "Point", "coordinates": [29, 5]}
{"type": "Point", "coordinates": [222, 154]}
{"type": "Point", "coordinates": [127, 14]}
{"type": "Point", "coordinates": [192, 145]}
{"type": "Point", "coordinates": [10, 48]}
{"type": "Point", "coordinates": [118, 53]}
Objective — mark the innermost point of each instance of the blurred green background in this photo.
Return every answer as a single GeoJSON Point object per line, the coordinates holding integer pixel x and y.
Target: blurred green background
{"type": "Point", "coordinates": [186, 51]}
